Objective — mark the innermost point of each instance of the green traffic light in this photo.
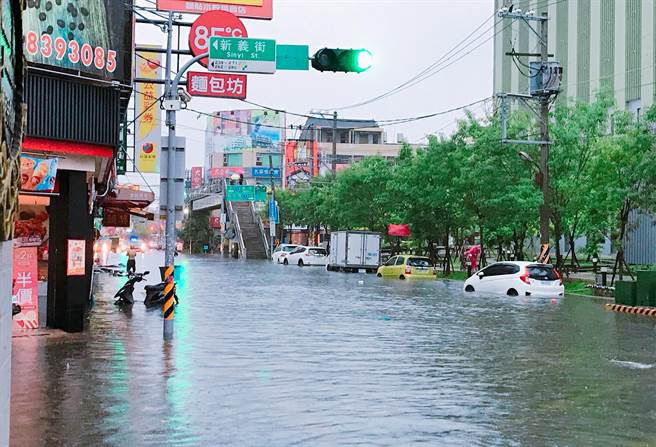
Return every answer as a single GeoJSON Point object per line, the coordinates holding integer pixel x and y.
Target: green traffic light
{"type": "Point", "coordinates": [365, 60]}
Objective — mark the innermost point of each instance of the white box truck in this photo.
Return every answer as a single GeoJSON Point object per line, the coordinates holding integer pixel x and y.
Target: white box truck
{"type": "Point", "coordinates": [352, 251]}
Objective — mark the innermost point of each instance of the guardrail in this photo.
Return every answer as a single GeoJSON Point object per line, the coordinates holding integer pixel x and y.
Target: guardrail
{"type": "Point", "coordinates": [260, 225]}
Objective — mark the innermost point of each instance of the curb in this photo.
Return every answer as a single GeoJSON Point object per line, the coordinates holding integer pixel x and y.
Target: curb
{"type": "Point", "coordinates": [648, 311]}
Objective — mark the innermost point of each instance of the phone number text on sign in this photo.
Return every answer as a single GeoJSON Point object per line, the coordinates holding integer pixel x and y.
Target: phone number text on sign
{"type": "Point", "coordinates": [60, 48]}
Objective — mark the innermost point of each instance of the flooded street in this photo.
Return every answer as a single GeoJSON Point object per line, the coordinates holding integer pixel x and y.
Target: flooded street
{"type": "Point", "coordinates": [267, 355]}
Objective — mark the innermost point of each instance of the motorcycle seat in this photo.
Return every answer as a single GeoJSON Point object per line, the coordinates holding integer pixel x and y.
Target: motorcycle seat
{"type": "Point", "coordinates": [158, 287]}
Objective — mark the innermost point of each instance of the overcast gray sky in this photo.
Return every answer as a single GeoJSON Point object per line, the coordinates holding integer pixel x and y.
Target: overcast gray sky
{"type": "Point", "coordinates": [405, 37]}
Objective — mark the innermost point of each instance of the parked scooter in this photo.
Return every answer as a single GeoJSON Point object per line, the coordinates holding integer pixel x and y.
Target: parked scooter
{"type": "Point", "coordinates": [15, 310]}
{"type": "Point", "coordinates": [124, 295]}
{"type": "Point", "coordinates": [155, 296]}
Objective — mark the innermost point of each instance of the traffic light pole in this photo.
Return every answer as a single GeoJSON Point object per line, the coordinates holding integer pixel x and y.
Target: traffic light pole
{"type": "Point", "coordinates": [334, 157]}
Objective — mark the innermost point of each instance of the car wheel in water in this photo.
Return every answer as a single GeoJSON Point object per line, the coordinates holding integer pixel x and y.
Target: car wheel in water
{"type": "Point", "coordinates": [512, 292]}
{"type": "Point", "coordinates": [285, 262]}
{"type": "Point", "coordinates": [379, 275]}
{"type": "Point", "coordinates": [401, 277]}
{"type": "Point", "coordinates": [469, 288]}
{"type": "Point", "coordinates": [300, 263]}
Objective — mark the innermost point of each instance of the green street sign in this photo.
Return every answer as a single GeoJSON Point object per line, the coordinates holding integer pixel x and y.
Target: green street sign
{"type": "Point", "coordinates": [241, 55]}
{"type": "Point", "coordinates": [246, 193]}
{"type": "Point", "coordinates": [293, 57]}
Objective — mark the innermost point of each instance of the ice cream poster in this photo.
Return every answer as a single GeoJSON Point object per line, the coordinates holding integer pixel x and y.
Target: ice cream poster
{"type": "Point", "coordinates": [38, 174]}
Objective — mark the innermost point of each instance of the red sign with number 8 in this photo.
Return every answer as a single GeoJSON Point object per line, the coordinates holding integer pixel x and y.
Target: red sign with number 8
{"type": "Point", "coordinates": [213, 24]}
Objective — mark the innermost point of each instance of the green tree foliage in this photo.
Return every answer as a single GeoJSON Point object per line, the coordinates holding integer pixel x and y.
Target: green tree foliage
{"type": "Point", "coordinates": [196, 230]}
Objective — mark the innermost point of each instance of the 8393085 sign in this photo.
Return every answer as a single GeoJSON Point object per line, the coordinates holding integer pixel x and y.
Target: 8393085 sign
{"type": "Point", "coordinates": [216, 85]}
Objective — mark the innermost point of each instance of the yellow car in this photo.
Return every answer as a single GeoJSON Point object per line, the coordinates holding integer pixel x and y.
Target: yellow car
{"type": "Point", "coordinates": [408, 267]}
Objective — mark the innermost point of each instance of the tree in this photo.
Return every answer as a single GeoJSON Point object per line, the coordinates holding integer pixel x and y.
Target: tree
{"type": "Point", "coordinates": [197, 232]}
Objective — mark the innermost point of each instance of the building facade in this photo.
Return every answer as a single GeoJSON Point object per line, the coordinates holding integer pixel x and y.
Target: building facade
{"type": "Point", "coordinates": [603, 45]}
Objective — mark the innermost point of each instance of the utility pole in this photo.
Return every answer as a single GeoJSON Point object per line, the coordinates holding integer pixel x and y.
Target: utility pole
{"type": "Point", "coordinates": [545, 210]}
{"type": "Point", "coordinates": [170, 177]}
{"type": "Point", "coordinates": [546, 77]}
{"type": "Point", "coordinates": [334, 157]}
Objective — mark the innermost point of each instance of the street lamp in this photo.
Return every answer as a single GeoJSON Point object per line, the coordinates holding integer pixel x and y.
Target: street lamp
{"type": "Point", "coordinates": [186, 211]}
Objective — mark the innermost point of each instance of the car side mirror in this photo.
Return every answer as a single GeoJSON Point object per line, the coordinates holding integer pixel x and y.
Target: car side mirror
{"type": "Point", "coordinates": [480, 274]}
{"type": "Point", "coordinates": [146, 273]}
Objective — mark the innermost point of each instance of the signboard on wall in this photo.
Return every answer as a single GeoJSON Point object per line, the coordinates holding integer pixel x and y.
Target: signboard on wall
{"type": "Point", "coordinates": [226, 172]}
{"type": "Point", "coordinates": [148, 131]}
{"type": "Point", "coordinates": [88, 36]}
{"type": "Point", "coordinates": [196, 177]}
{"type": "Point", "coordinates": [301, 163]}
{"type": "Point", "coordinates": [25, 287]}
{"type": "Point", "coordinates": [76, 255]}
{"type": "Point", "coordinates": [38, 174]}
{"type": "Point", "coordinates": [262, 9]}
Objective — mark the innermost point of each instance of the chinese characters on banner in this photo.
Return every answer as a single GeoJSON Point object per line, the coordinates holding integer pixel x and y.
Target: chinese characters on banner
{"type": "Point", "coordinates": [75, 265]}
{"type": "Point", "coordinates": [25, 289]}
{"type": "Point", "coordinates": [217, 85]}
{"type": "Point", "coordinates": [256, 9]}
{"type": "Point", "coordinates": [196, 177]}
{"type": "Point", "coordinates": [148, 133]}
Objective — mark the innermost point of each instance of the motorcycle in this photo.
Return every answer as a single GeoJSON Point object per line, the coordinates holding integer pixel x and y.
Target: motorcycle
{"type": "Point", "coordinates": [124, 295]}
{"type": "Point", "coordinates": [155, 296]}
{"type": "Point", "coordinates": [15, 310]}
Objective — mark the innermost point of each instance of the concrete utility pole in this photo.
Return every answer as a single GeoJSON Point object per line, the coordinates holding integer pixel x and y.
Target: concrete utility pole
{"type": "Point", "coordinates": [334, 158]}
{"type": "Point", "coordinates": [543, 95]}
{"type": "Point", "coordinates": [545, 210]}
{"type": "Point", "coordinates": [170, 172]}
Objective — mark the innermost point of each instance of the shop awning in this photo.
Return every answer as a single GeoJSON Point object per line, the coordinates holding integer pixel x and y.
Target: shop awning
{"type": "Point", "coordinates": [128, 199]}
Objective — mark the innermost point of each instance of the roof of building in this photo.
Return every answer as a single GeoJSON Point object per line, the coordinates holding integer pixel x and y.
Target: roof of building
{"type": "Point", "coordinates": [327, 123]}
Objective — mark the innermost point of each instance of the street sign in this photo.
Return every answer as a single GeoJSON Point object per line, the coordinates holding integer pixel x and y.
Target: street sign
{"type": "Point", "coordinates": [216, 85]}
{"type": "Point", "coordinates": [263, 12]}
{"type": "Point", "coordinates": [293, 57]}
{"type": "Point", "coordinates": [274, 212]}
{"type": "Point", "coordinates": [242, 55]}
{"type": "Point", "coordinates": [265, 172]}
{"type": "Point", "coordinates": [213, 24]}
{"type": "Point", "coordinates": [246, 193]}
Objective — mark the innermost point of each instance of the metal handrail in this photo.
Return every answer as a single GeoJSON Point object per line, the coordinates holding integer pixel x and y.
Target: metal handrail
{"type": "Point", "coordinates": [258, 219]}
{"type": "Point", "coordinates": [234, 218]}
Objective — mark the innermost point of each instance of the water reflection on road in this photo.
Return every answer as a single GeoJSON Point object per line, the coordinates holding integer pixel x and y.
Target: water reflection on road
{"type": "Point", "coordinates": [278, 356]}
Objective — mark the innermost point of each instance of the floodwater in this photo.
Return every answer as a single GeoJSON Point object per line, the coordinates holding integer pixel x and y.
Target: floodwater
{"type": "Point", "coordinates": [268, 355]}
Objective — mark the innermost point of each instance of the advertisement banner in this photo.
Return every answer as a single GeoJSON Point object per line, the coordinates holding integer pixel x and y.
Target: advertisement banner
{"type": "Point", "coordinates": [255, 9]}
{"type": "Point", "coordinates": [75, 265]}
{"type": "Point", "coordinates": [301, 163]}
{"type": "Point", "coordinates": [226, 172]}
{"type": "Point", "coordinates": [31, 229]}
{"type": "Point", "coordinates": [88, 36]}
{"type": "Point", "coordinates": [196, 177]}
{"type": "Point", "coordinates": [38, 174]}
{"type": "Point", "coordinates": [148, 131]}
{"type": "Point", "coordinates": [25, 288]}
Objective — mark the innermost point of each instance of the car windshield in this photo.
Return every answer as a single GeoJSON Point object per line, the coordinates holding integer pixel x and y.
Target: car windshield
{"type": "Point", "coordinates": [419, 262]}
{"type": "Point", "coordinates": [542, 272]}
{"type": "Point", "coordinates": [298, 250]}
{"type": "Point", "coordinates": [290, 248]}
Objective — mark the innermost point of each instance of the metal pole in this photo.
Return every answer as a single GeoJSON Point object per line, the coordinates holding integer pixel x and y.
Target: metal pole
{"type": "Point", "coordinates": [170, 173]}
{"type": "Point", "coordinates": [272, 225]}
{"type": "Point", "coordinates": [545, 210]}
{"type": "Point", "coordinates": [334, 159]}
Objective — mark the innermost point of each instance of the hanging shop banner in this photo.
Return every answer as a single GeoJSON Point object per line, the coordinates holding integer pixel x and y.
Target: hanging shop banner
{"type": "Point", "coordinates": [148, 126]}
{"type": "Point", "coordinates": [213, 24]}
{"type": "Point", "coordinates": [216, 85]}
{"type": "Point", "coordinates": [196, 177]}
{"type": "Point", "coordinates": [25, 289]}
{"type": "Point", "coordinates": [38, 174]}
{"type": "Point", "coordinates": [32, 226]}
{"type": "Point", "coordinates": [76, 255]}
{"type": "Point", "coordinates": [251, 9]}
{"type": "Point", "coordinates": [88, 36]}
{"type": "Point", "coordinates": [116, 219]}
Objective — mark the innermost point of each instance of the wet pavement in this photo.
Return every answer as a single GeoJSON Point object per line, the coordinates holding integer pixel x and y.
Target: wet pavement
{"type": "Point", "coordinates": [266, 355]}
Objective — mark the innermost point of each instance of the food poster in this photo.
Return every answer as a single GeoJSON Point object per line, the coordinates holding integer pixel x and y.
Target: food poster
{"type": "Point", "coordinates": [25, 288]}
{"type": "Point", "coordinates": [32, 229]}
{"type": "Point", "coordinates": [38, 174]}
{"type": "Point", "coordinates": [76, 264]}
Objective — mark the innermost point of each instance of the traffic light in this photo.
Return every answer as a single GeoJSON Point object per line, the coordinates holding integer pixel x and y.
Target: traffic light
{"type": "Point", "coordinates": [347, 61]}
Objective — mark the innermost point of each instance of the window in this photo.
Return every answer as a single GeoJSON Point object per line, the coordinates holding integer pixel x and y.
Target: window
{"type": "Point", "coordinates": [318, 252]}
{"type": "Point", "coordinates": [290, 248]}
{"type": "Point", "coordinates": [234, 160]}
{"type": "Point", "coordinates": [225, 160]}
{"type": "Point", "coordinates": [420, 262]}
{"type": "Point", "coordinates": [400, 260]}
{"type": "Point", "coordinates": [542, 272]}
{"type": "Point", "coordinates": [501, 269]}
{"type": "Point", "coordinates": [391, 261]}
{"type": "Point", "coordinates": [258, 160]}
{"type": "Point", "coordinates": [343, 137]}
{"type": "Point", "coordinates": [298, 250]}
{"type": "Point", "coordinates": [376, 138]}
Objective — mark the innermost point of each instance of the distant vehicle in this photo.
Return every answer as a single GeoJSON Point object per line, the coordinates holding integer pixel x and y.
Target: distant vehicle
{"type": "Point", "coordinates": [517, 279]}
{"type": "Point", "coordinates": [352, 251]}
{"type": "Point", "coordinates": [408, 267]}
{"type": "Point", "coordinates": [282, 251]}
{"type": "Point", "coordinates": [303, 256]}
